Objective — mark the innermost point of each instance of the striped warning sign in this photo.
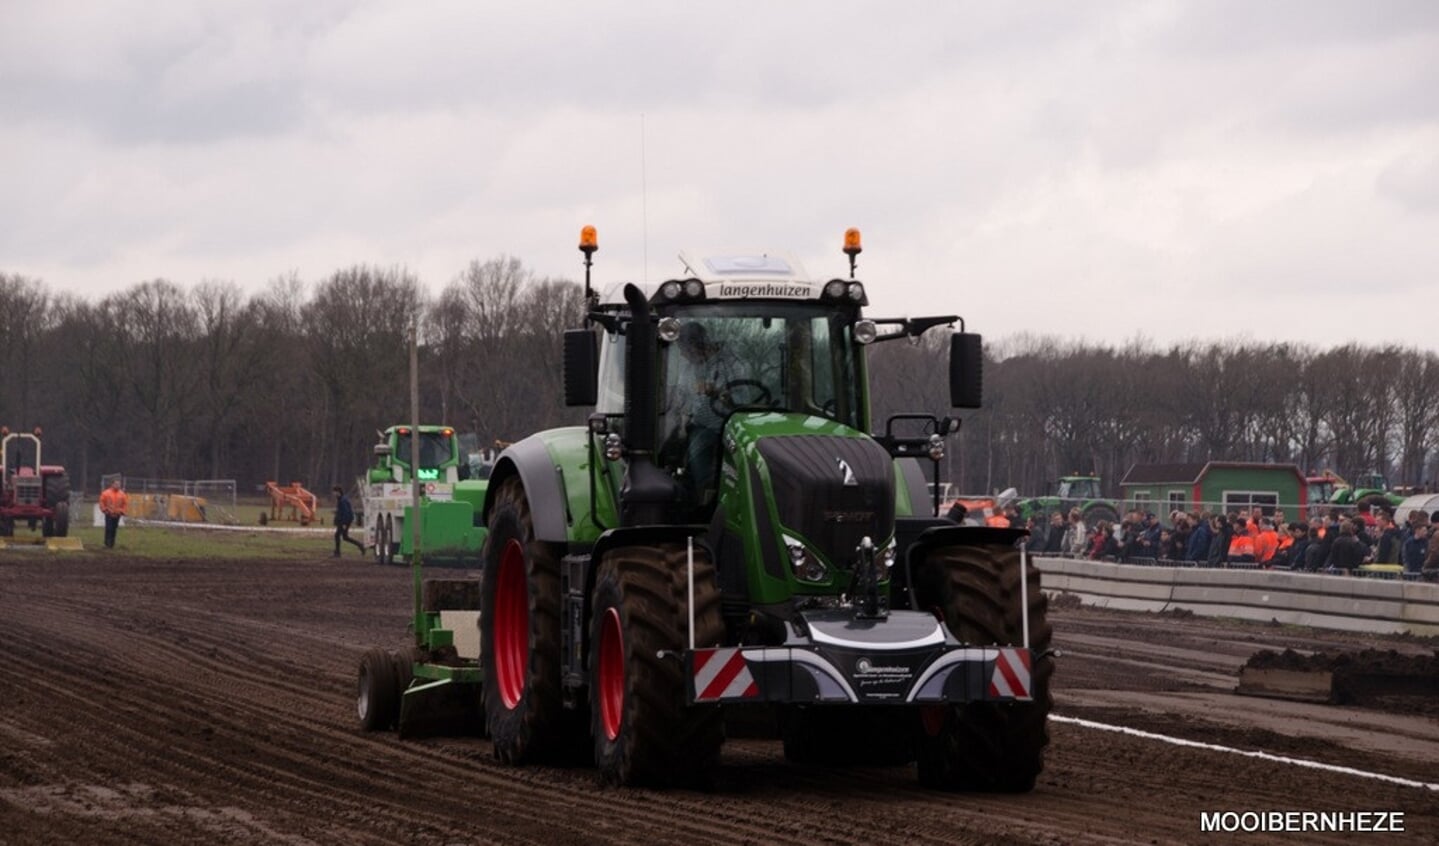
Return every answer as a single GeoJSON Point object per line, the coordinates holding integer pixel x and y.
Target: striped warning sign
{"type": "Point", "coordinates": [722, 674]}
{"type": "Point", "coordinates": [1011, 675]}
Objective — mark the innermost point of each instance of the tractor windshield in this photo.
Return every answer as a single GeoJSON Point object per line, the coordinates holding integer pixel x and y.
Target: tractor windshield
{"type": "Point", "coordinates": [436, 449]}
{"type": "Point", "coordinates": [790, 357]}
{"type": "Point", "coordinates": [1079, 489]}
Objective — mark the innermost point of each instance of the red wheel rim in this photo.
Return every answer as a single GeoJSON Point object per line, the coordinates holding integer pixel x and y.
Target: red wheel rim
{"type": "Point", "coordinates": [611, 682]}
{"type": "Point", "coordinates": [512, 625]}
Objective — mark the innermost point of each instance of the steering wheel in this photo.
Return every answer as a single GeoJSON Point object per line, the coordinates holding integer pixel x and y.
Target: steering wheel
{"type": "Point", "coordinates": [725, 396]}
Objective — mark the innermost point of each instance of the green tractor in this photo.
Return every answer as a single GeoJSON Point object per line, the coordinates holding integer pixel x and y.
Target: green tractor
{"type": "Point", "coordinates": [1371, 489]}
{"type": "Point", "coordinates": [724, 533]}
{"type": "Point", "coordinates": [1082, 492]}
{"type": "Point", "coordinates": [449, 499]}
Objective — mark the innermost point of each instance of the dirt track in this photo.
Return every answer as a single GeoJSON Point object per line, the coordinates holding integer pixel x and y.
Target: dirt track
{"type": "Point", "coordinates": [211, 701]}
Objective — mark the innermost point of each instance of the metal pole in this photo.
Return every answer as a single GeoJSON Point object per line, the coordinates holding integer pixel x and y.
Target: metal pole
{"type": "Point", "coordinates": [415, 459]}
{"type": "Point", "coordinates": [1024, 589]}
{"type": "Point", "coordinates": [690, 553]}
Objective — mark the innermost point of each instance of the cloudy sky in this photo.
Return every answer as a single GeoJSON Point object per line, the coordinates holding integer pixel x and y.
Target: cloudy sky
{"type": "Point", "coordinates": [1164, 170]}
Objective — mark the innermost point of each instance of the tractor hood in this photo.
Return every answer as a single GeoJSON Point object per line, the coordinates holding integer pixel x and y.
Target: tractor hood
{"type": "Point", "coordinates": [832, 485]}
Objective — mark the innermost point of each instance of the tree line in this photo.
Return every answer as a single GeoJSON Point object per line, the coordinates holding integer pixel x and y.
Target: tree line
{"type": "Point", "coordinates": [292, 382]}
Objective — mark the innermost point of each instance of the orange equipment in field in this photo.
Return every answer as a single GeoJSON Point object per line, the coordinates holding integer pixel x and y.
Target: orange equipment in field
{"type": "Point", "coordinates": [291, 502]}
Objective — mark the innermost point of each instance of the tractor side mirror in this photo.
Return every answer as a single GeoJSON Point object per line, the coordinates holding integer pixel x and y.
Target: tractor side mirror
{"type": "Point", "coordinates": [966, 370]}
{"type": "Point", "coordinates": [581, 367]}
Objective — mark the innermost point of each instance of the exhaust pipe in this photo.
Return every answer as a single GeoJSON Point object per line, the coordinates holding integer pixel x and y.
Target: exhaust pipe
{"type": "Point", "coordinates": [647, 491]}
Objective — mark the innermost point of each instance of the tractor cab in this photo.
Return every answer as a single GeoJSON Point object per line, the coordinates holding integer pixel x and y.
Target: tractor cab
{"type": "Point", "coordinates": [722, 356]}
{"type": "Point", "coordinates": [439, 455]}
{"type": "Point", "coordinates": [1073, 489]}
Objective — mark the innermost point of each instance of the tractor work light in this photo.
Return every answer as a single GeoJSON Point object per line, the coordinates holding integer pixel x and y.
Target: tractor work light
{"type": "Point", "coordinates": [694, 289]}
{"type": "Point", "coordinates": [855, 291]}
{"type": "Point", "coordinates": [834, 289]}
{"type": "Point", "coordinates": [612, 446]}
{"type": "Point", "coordinates": [936, 447]}
{"type": "Point", "coordinates": [589, 240]}
{"type": "Point", "coordinates": [851, 242]}
{"type": "Point", "coordinates": [865, 331]}
{"type": "Point", "coordinates": [671, 290]}
{"type": "Point", "coordinates": [668, 329]}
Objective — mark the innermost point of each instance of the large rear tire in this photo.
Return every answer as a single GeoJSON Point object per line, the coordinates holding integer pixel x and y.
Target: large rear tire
{"type": "Point", "coordinates": [644, 732]}
{"type": "Point", "coordinates": [377, 699]}
{"type": "Point", "coordinates": [989, 746]}
{"type": "Point", "coordinates": [1099, 511]}
{"type": "Point", "coordinates": [57, 494]}
{"type": "Point", "coordinates": [520, 636]}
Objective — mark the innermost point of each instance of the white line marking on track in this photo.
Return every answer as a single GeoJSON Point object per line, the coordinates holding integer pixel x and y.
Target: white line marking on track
{"type": "Point", "coordinates": [1248, 753]}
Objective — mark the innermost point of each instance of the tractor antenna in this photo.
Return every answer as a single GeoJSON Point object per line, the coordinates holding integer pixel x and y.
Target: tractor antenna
{"type": "Point", "coordinates": [644, 205]}
{"type": "Point", "coordinates": [852, 248]}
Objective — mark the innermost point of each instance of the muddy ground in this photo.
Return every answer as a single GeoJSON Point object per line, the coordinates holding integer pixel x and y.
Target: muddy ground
{"type": "Point", "coordinates": [211, 702]}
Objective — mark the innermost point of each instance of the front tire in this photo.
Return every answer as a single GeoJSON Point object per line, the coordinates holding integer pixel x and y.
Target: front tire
{"type": "Point", "coordinates": [644, 732]}
{"type": "Point", "coordinates": [387, 537]}
{"type": "Point", "coordinates": [377, 700]}
{"type": "Point", "coordinates": [989, 746]}
{"type": "Point", "coordinates": [520, 635]}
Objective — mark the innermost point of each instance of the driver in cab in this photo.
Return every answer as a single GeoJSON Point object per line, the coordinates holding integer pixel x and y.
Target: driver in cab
{"type": "Point", "coordinates": [699, 386]}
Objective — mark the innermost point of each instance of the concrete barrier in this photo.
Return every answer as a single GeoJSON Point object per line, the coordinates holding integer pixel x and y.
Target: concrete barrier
{"type": "Point", "coordinates": [1301, 599]}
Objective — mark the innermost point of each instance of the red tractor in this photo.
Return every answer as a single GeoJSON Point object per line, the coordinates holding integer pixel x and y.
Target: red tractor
{"type": "Point", "coordinates": [37, 493]}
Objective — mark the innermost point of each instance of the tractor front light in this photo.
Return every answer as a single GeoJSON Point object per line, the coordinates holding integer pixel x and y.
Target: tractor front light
{"type": "Point", "coordinates": [807, 568]}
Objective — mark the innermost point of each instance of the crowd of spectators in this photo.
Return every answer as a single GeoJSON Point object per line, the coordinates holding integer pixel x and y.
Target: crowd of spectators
{"type": "Point", "coordinates": [1332, 542]}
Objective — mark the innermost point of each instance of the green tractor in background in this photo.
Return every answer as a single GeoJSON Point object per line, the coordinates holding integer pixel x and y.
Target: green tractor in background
{"type": "Point", "coordinates": [449, 498]}
{"type": "Point", "coordinates": [1082, 492]}
{"type": "Point", "coordinates": [724, 533]}
{"type": "Point", "coordinates": [1371, 489]}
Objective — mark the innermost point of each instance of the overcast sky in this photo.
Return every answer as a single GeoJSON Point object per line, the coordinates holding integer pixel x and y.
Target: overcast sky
{"type": "Point", "coordinates": [1170, 170]}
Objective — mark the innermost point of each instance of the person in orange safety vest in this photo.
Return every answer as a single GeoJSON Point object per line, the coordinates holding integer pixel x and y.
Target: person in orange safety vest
{"type": "Point", "coordinates": [1266, 543]}
{"type": "Point", "coordinates": [113, 504]}
{"type": "Point", "coordinates": [1241, 546]}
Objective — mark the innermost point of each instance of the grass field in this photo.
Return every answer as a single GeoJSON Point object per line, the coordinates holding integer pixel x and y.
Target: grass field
{"type": "Point", "coordinates": [154, 541]}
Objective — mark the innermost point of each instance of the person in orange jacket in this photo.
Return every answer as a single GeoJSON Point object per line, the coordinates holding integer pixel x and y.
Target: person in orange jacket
{"type": "Point", "coordinates": [113, 504]}
{"type": "Point", "coordinates": [1266, 543]}
{"type": "Point", "coordinates": [1241, 548]}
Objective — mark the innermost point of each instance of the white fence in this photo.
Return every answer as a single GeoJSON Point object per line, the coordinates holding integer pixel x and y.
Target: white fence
{"type": "Point", "coordinates": [1303, 599]}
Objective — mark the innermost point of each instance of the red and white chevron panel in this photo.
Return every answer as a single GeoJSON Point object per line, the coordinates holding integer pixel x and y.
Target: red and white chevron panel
{"type": "Point", "coordinates": [1011, 678]}
{"type": "Point", "coordinates": [722, 674]}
